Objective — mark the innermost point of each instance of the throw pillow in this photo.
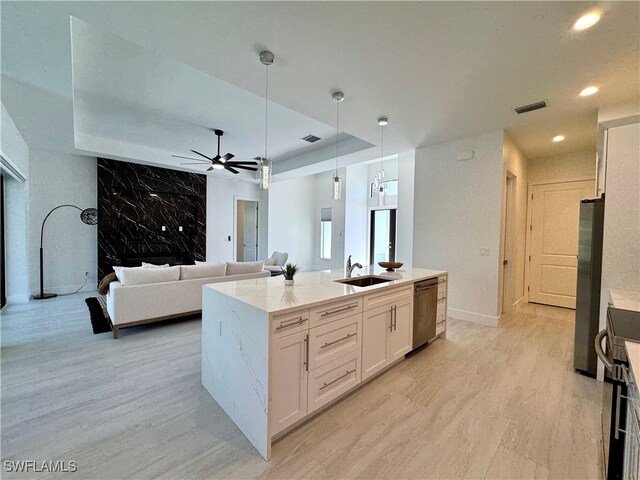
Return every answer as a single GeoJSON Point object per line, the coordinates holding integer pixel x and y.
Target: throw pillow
{"type": "Point", "coordinates": [270, 262]}
{"type": "Point", "coordinates": [153, 265]}
{"type": "Point", "coordinates": [142, 276]}
{"type": "Point", "coordinates": [239, 268]}
{"type": "Point", "coordinates": [203, 270]}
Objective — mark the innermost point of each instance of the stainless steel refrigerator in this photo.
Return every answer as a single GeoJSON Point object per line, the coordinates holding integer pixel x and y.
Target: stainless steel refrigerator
{"type": "Point", "coordinates": [588, 285]}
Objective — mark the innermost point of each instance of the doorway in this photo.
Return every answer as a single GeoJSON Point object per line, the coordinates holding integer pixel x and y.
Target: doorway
{"type": "Point", "coordinates": [509, 245]}
{"type": "Point", "coordinates": [553, 239]}
{"type": "Point", "coordinates": [246, 231]}
{"type": "Point", "coordinates": [382, 236]}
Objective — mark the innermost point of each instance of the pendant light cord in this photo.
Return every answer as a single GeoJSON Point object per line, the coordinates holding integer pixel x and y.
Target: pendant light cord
{"type": "Point", "coordinates": [266, 109]}
{"type": "Point", "coordinates": [381, 145]}
{"type": "Point", "coordinates": [337, 130]}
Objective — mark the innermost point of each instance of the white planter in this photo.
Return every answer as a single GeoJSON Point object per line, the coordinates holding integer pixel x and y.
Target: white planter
{"type": "Point", "coordinates": [288, 283]}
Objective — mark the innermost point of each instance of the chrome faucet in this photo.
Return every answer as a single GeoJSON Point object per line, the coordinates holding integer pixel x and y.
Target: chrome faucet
{"type": "Point", "coordinates": [350, 267]}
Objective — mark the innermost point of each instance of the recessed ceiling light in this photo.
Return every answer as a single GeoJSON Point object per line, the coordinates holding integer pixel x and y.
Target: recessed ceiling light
{"type": "Point", "coordinates": [558, 138]}
{"type": "Point", "coordinates": [382, 121]}
{"type": "Point", "coordinates": [589, 91]}
{"type": "Point", "coordinates": [587, 20]}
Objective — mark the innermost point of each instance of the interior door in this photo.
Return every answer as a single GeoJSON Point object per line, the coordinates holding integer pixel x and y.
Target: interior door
{"type": "Point", "coordinates": [382, 236]}
{"type": "Point", "coordinates": [555, 218]}
{"type": "Point", "coordinates": [509, 257]}
{"type": "Point", "coordinates": [249, 231]}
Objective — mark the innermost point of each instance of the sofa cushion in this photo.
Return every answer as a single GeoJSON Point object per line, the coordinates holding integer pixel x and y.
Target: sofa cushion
{"type": "Point", "coordinates": [142, 275]}
{"type": "Point", "coordinates": [188, 272]}
{"type": "Point", "coordinates": [237, 268]}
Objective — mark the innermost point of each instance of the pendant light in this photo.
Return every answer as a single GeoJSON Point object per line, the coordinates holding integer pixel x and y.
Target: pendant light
{"type": "Point", "coordinates": [337, 179]}
{"type": "Point", "coordinates": [379, 182]}
{"type": "Point", "coordinates": [267, 58]}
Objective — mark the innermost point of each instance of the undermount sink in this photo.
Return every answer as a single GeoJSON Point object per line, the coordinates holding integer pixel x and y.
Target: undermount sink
{"type": "Point", "coordinates": [364, 281]}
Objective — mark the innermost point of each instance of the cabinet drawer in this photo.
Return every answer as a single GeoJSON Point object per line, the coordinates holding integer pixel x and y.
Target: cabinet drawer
{"type": "Point", "coordinates": [333, 340]}
{"type": "Point", "coordinates": [386, 297]}
{"type": "Point", "coordinates": [335, 311]}
{"type": "Point", "coordinates": [288, 323]}
{"type": "Point", "coordinates": [442, 279]}
{"type": "Point", "coordinates": [442, 307]}
{"type": "Point", "coordinates": [333, 379]}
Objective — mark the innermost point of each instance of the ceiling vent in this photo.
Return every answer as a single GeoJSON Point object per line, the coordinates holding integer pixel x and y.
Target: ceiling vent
{"type": "Point", "coordinates": [531, 107]}
{"type": "Point", "coordinates": [310, 138]}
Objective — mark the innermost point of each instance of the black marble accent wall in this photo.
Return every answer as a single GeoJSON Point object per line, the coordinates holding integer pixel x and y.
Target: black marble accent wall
{"type": "Point", "coordinates": [149, 214]}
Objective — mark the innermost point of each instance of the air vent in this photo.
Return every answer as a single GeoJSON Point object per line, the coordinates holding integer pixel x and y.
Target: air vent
{"type": "Point", "coordinates": [531, 107]}
{"type": "Point", "coordinates": [310, 138]}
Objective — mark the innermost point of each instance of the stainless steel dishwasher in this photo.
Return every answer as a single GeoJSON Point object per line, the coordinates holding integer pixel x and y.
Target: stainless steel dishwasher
{"type": "Point", "coordinates": [425, 306]}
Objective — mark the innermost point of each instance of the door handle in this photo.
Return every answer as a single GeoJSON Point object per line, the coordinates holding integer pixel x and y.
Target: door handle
{"type": "Point", "coordinates": [600, 352]}
{"type": "Point", "coordinates": [306, 352]}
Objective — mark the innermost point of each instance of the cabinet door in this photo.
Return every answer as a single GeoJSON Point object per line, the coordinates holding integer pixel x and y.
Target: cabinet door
{"type": "Point", "coordinates": [375, 327]}
{"type": "Point", "coordinates": [289, 380]}
{"type": "Point", "coordinates": [400, 337]}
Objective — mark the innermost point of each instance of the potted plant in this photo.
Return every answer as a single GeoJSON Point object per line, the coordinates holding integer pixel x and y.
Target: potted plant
{"type": "Point", "coordinates": [289, 271]}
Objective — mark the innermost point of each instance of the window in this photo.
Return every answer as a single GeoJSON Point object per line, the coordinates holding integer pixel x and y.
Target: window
{"type": "Point", "coordinates": [325, 233]}
{"type": "Point", "coordinates": [391, 188]}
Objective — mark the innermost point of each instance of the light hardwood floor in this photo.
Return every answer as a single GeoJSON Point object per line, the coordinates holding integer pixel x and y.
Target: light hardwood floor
{"type": "Point", "coordinates": [484, 403]}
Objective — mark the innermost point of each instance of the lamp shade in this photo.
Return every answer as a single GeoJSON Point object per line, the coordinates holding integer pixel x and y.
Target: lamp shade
{"type": "Point", "coordinates": [89, 216]}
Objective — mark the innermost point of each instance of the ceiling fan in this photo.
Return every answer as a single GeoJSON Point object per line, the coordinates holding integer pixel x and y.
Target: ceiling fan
{"type": "Point", "coordinates": [221, 162]}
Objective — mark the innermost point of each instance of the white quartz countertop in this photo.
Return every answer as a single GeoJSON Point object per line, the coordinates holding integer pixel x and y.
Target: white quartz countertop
{"type": "Point", "coordinates": [633, 353]}
{"type": "Point", "coordinates": [625, 300]}
{"type": "Point", "coordinates": [313, 288]}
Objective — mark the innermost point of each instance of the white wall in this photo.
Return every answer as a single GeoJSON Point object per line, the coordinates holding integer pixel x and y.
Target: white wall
{"type": "Point", "coordinates": [70, 246]}
{"type": "Point", "coordinates": [404, 219]}
{"type": "Point", "coordinates": [221, 217]}
{"type": "Point", "coordinates": [16, 197]}
{"type": "Point", "coordinates": [457, 211]}
{"type": "Point", "coordinates": [574, 166]}
{"type": "Point", "coordinates": [291, 219]}
{"type": "Point", "coordinates": [356, 195]}
{"type": "Point", "coordinates": [516, 163]}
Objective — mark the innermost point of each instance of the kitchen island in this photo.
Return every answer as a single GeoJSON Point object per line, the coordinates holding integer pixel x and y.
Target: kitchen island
{"type": "Point", "coordinates": [273, 356]}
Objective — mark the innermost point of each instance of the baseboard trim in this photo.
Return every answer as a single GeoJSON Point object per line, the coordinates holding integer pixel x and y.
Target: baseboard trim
{"type": "Point", "coordinates": [69, 289]}
{"type": "Point", "coordinates": [23, 298]}
{"type": "Point", "coordinates": [473, 317]}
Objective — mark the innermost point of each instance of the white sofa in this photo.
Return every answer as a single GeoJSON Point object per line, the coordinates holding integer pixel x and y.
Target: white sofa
{"type": "Point", "coordinates": [131, 301]}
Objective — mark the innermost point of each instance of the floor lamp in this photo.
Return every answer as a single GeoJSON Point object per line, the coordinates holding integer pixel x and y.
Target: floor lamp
{"type": "Point", "coordinates": [88, 216]}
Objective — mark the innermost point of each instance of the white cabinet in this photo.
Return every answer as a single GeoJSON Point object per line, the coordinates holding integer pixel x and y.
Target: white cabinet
{"type": "Point", "coordinates": [441, 313]}
{"type": "Point", "coordinates": [376, 324]}
{"type": "Point", "coordinates": [289, 380]}
{"type": "Point", "coordinates": [401, 334]}
{"type": "Point", "coordinates": [333, 340]}
{"type": "Point", "coordinates": [333, 379]}
{"type": "Point", "coordinates": [387, 333]}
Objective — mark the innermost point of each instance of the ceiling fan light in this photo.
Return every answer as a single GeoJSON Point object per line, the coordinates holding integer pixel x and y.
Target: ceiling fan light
{"type": "Point", "coordinates": [217, 166]}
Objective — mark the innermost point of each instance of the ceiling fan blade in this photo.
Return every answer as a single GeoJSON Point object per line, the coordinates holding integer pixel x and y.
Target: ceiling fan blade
{"type": "Point", "coordinates": [190, 158]}
{"type": "Point", "coordinates": [243, 167]}
{"type": "Point", "coordinates": [209, 169]}
{"type": "Point", "coordinates": [198, 163]}
{"type": "Point", "coordinates": [227, 157]}
{"type": "Point", "coordinates": [231, 169]}
{"type": "Point", "coordinates": [202, 155]}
